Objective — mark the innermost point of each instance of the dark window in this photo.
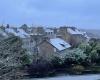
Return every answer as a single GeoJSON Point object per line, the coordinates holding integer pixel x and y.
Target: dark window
{"type": "Point", "coordinates": [62, 45]}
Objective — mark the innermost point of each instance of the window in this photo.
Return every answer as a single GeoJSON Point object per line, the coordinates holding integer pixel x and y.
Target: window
{"type": "Point", "coordinates": [62, 45]}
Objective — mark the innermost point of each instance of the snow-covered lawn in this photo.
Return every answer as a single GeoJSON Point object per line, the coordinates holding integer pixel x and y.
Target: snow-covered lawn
{"type": "Point", "coordinates": [84, 77]}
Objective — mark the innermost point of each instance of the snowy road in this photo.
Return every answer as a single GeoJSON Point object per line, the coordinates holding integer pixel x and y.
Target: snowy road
{"type": "Point", "coordinates": [84, 77]}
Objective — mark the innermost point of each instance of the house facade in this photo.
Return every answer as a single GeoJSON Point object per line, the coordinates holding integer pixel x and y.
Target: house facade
{"type": "Point", "coordinates": [49, 47]}
{"type": "Point", "coordinates": [72, 35]}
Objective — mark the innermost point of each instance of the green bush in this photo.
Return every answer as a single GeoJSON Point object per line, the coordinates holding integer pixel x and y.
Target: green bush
{"type": "Point", "coordinates": [76, 55]}
{"type": "Point", "coordinates": [56, 62]}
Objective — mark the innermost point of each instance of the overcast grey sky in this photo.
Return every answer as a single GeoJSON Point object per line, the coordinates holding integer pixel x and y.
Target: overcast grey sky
{"type": "Point", "coordinates": [79, 13]}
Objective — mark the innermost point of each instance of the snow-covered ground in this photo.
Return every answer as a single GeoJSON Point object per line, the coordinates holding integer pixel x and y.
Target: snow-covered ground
{"type": "Point", "coordinates": [84, 77]}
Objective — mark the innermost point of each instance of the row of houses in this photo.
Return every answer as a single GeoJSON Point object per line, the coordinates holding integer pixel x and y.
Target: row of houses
{"type": "Point", "coordinates": [46, 39]}
{"type": "Point", "coordinates": [53, 40]}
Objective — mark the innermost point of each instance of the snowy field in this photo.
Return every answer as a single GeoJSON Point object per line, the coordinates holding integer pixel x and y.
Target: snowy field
{"type": "Point", "coordinates": [84, 77]}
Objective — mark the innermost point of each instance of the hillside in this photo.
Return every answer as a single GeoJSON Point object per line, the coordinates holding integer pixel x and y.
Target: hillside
{"type": "Point", "coordinates": [93, 33]}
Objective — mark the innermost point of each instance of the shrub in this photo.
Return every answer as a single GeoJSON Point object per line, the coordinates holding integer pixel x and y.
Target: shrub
{"type": "Point", "coordinates": [40, 67]}
{"type": "Point", "coordinates": [56, 62]}
{"type": "Point", "coordinates": [78, 69]}
{"type": "Point", "coordinates": [75, 55]}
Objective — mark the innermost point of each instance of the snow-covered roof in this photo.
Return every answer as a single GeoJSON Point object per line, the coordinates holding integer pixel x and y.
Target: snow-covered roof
{"type": "Point", "coordinates": [48, 30]}
{"type": "Point", "coordinates": [10, 30]}
{"type": "Point", "coordinates": [3, 33]}
{"type": "Point", "coordinates": [20, 32]}
{"type": "Point", "coordinates": [35, 34]}
{"type": "Point", "coordinates": [75, 31]}
{"type": "Point", "coordinates": [85, 35]}
{"type": "Point", "coordinates": [59, 44]}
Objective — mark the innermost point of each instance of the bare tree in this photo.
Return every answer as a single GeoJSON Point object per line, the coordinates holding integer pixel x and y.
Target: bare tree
{"type": "Point", "coordinates": [11, 54]}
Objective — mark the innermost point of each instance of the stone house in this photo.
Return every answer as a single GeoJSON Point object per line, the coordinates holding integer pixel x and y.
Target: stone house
{"type": "Point", "coordinates": [62, 33]}
{"type": "Point", "coordinates": [49, 47]}
{"type": "Point", "coordinates": [32, 41]}
{"type": "Point", "coordinates": [38, 30]}
{"type": "Point", "coordinates": [72, 35]}
{"type": "Point", "coordinates": [76, 36]}
{"type": "Point", "coordinates": [49, 33]}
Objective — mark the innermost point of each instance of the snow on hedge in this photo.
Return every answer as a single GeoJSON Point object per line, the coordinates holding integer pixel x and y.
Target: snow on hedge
{"type": "Point", "coordinates": [76, 54]}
